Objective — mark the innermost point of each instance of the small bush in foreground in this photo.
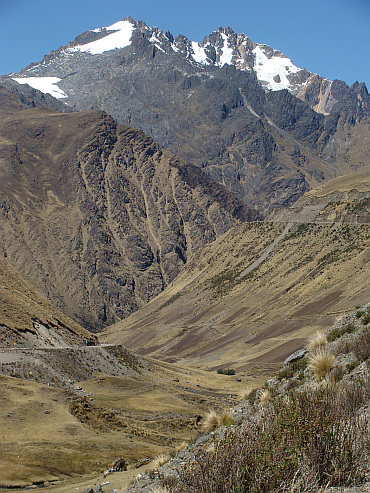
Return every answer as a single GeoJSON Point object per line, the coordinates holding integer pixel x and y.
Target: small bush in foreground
{"type": "Point", "coordinates": [361, 345]}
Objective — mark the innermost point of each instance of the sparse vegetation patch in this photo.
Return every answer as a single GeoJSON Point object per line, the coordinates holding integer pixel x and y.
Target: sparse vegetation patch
{"type": "Point", "coordinates": [337, 332]}
{"type": "Point", "coordinates": [301, 443]}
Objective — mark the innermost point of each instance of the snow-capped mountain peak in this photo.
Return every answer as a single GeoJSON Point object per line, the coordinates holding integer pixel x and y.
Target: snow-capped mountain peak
{"type": "Point", "coordinates": [117, 36]}
{"type": "Point", "coordinates": [273, 70]}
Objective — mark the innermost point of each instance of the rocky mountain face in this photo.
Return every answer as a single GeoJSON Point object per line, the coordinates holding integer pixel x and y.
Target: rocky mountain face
{"type": "Point", "coordinates": [96, 215]}
{"type": "Point", "coordinates": [214, 106]}
{"type": "Point", "coordinates": [27, 319]}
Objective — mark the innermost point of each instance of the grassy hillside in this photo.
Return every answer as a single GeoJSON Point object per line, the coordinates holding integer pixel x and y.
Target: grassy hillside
{"type": "Point", "coordinates": [227, 310]}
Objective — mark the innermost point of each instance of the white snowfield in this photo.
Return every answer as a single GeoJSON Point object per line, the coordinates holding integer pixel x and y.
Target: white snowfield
{"type": "Point", "coordinates": [227, 52]}
{"type": "Point", "coordinates": [199, 53]}
{"type": "Point", "coordinates": [268, 68]}
{"type": "Point", "coordinates": [120, 38]}
{"type": "Point", "coordinates": [47, 85]}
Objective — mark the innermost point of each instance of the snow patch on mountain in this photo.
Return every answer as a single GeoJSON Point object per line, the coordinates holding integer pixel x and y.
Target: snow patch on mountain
{"type": "Point", "coordinates": [120, 38]}
{"type": "Point", "coordinates": [273, 70]}
{"type": "Point", "coordinates": [227, 52]}
{"type": "Point", "coordinates": [199, 53]}
{"type": "Point", "coordinates": [157, 42]}
{"type": "Point", "coordinates": [47, 85]}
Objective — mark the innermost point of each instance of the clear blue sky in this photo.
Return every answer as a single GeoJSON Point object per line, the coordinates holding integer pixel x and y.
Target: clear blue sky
{"type": "Point", "coordinates": [329, 37]}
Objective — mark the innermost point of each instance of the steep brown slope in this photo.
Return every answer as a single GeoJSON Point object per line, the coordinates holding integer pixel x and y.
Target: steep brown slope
{"type": "Point", "coordinates": [97, 216]}
{"type": "Point", "coordinates": [253, 296]}
{"type": "Point", "coordinates": [27, 319]}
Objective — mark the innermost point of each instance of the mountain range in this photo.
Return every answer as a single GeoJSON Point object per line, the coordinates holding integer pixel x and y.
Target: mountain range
{"type": "Point", "coordinates": [101, 217]}
{"type": "Point", "coordinates": [227, 105]}
{"type": "Point", "coordinates": [205, 205]}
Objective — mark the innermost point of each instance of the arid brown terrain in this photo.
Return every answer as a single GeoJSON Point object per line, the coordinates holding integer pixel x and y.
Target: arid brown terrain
{"type": "Point", "coordinates": [97, 216]}
{"type": "Point", "coordinates": [252, 297]}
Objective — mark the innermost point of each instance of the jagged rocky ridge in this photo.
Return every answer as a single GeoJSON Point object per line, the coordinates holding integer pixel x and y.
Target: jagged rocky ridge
{"type": "Point", "coordinates": [272, 68]}
{"type": "Point", "coordinates": [97, 216]}
{"type": "Point", "coordinates": [205, 103]}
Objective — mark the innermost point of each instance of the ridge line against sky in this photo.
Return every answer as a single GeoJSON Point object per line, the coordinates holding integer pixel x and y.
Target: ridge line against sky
{"type": "Point", "coordinates": [331, 38]}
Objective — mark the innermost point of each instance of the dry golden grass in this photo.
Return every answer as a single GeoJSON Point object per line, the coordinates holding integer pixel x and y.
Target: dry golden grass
{"type": "Point", "coordinates": [264, 398]}
{"type": "Point", "coordinates": [321, 363]}
{"type": "Point", "coordinates": [159, 461]}
{"type": "Point", "coordinates": [316, 341]}
{"type": "Point", "coordinates": [210, 421]}
{"type": "Point", "coordinates": [245, 393]}
{"type": "Point", "coordinates": [39, 439]}
{"type": "Point", "coordinates": [161, 489]}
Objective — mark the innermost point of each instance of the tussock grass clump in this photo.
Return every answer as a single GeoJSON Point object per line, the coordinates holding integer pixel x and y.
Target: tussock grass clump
{"type": "Point", "coordinates": [160, 460]}
{"type": "Point", "coordinates": [213, 420]}
{"type": "Point", "coordinates": [181, 446]}
{"type": "Point", "coordinates": [210, 421]}
{"type": "Point", "coordinates": [244, 394]}
{"type": "Point", "coordinates": [321, 363]}
{"type": "Point", "coordinates": [225, 418]}
{"type": "Point", "coordinates": [302, 443]}
{"type": "Point", "coordinates": [316, 341]}
{"type": "Point", "coordinates": [264, 398]}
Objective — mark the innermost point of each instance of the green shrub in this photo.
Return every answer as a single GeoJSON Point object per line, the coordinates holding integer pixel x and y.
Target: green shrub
{"type": "Point", "coordinates": [352, 365]}
{"type": "Point", "coordinates": [340, 331]}
{"type": "Point", "coordinates": [361, 345]}
{"type": "Point", "coordinates": [226, 371]}
{"type": "Point", "coordinates": [290, 370]}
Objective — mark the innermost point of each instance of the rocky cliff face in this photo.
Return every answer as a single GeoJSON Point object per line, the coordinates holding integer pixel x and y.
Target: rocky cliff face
{"type": "Point", "coordinates": [207, 103]}
{"type": "Point", "coordinates": [96, 215]}
{"type": "Point", "coordinates": [27, 319]}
